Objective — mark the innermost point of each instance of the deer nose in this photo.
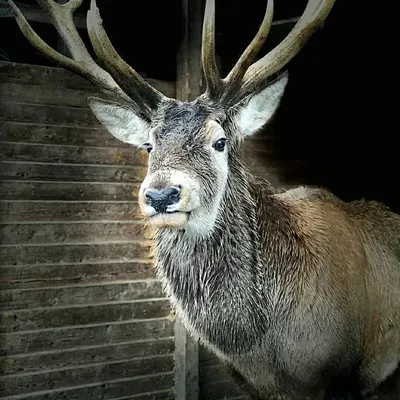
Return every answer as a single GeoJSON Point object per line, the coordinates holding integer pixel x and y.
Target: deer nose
{"type": "Point", "coordinates": [161, 199]}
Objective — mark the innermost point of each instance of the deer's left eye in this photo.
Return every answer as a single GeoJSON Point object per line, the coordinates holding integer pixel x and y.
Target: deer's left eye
{"type": "Point", "coordinates": [148, 147]}
{"type": "Point", "coordinates": [219, 145]}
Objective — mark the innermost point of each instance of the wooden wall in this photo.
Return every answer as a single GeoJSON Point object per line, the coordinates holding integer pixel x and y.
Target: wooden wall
{"type": "Point", "coordinates": [214, 381]}
{"type": "Point", "coordinates": [81, 314]}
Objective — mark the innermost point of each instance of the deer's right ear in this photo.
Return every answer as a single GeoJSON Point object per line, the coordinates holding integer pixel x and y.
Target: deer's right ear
{"type": "Point", "coordinates": [121, 121]}
{"type": "Point", "coordinates": [255, 111]}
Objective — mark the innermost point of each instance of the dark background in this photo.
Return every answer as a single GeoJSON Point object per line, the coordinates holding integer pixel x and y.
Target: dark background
{"type": "Point", "coordinates": [337, 126]}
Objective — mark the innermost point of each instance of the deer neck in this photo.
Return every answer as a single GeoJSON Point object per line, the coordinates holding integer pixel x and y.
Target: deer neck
{"type": "Point", "coordinates": [219, 279]}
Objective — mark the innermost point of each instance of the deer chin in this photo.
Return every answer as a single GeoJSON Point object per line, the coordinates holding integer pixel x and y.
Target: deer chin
{"type": "Point", "coordinates": [177, 220]}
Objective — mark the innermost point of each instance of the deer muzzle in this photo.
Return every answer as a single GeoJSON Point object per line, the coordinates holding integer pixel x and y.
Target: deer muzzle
{"type": "Point", "coordinates": [167, 198]}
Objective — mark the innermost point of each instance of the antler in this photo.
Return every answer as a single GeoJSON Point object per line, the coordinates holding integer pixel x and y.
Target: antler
{"type": "Point", "coordinates": [210, 69]}
{"type": "Point", "coordinates": [125, 83]}
{"type": "Point", "coordinates": [244, 78]}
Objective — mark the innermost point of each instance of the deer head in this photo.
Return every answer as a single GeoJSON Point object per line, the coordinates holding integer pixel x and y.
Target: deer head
{"type": "Point", "coordinates": [192, 146]}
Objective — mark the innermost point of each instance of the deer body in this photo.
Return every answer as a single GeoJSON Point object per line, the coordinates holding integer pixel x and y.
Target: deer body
{"type": "Point", "coordinates": [274, 295]}
{"type": "Point", "coordinates": [298, 293]}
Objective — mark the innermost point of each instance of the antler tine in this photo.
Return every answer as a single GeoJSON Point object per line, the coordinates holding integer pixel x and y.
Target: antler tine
{"type": "Point", "coordinates": [234, 78]}
{"type": "Point", "coordinates": [313, 17]}
{"type": "Point", "coordinates": [82, 63]}
{"type": "Point", "coordinates": [62, 18]}
{"type": "Point", "coordinates": [134, 85]}
{"type": "Point", "coordinates": [210, 69]}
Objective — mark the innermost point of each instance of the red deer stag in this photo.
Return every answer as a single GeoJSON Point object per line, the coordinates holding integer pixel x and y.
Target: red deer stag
{"type": "Point", "coordinates": [298, 293]}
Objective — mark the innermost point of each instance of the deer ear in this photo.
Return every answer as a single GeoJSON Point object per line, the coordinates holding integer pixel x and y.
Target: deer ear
{"type": "Point", "coordinates": [256, 110]}
{"type": "Point", "coordinates": [121, 121]}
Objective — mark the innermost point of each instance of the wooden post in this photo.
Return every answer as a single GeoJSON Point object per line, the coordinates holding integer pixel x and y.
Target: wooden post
{"type": "Point", "coordinates": [61, 46]}
{"type": "Point", "coordinates": [189, 70]}
{"type": "Point", "coordinates": [188, 84]}
{"type": "Point", "coordinates": [186, 364]}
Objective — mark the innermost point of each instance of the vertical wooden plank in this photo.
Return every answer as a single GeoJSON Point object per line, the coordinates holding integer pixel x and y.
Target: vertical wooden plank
{"type": "Point", "coordinates": [189, 78]}
{"type": "Point", "coordinates": [186, 364]}
{"type": "Point", "coordinates": [61, 46]}
{"type": "Point", "coordinates": [189, 69]}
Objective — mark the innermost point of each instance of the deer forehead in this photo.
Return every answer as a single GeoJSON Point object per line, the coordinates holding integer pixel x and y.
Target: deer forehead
{"type": "Point", "coordinates": [189, 122]}
{"type": "Point", "coordinates": [183, 139]}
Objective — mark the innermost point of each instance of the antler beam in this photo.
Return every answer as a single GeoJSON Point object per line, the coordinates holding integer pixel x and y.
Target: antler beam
{"type": "Point", "coordinates": [211, 74]}
{"type": "Point", "coordinates": [83, 64]}
{"type": "Point", "coordinates": [234, 78]}
{"type": "Point", "coordinates": [312, 18]}
{"type": "Point", "coordinates": [135, 86]}
{"type": "Point", "coordinates": [118, 79]}
{"type": "Point", "coordinates": [246, 77]}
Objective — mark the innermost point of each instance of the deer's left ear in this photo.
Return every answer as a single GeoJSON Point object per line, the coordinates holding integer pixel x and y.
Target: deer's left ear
{"type": "Point", "coordinates": [255, 111]}
{"type": "Point", "coordinates": [121, 121]}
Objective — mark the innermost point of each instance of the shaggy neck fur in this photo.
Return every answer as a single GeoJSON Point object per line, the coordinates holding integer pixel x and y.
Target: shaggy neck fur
{"type": "Point", "coordinates": [219, 285]}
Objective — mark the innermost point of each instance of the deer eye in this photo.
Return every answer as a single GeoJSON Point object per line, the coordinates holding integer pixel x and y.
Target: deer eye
{"type": "Point", "coordinates": [219, 145]}
{"type": "Point", "coordinates": [148, 147]}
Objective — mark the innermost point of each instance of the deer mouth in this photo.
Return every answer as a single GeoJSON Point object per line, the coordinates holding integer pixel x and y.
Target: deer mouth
{"type": "Point", "coordinates": [175, 219]}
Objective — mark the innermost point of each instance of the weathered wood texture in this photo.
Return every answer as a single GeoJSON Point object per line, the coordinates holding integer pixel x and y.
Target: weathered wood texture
{"type": "Point", "coordinates": [81, 313]}
{"type": "Point", "coordinates": [214, 381]}
{"type": "Point", "coordinates": [188, 86]}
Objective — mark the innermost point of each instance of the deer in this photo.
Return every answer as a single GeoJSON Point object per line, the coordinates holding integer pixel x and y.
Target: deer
{"type": "Point", "coordinates": [296, 292]}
